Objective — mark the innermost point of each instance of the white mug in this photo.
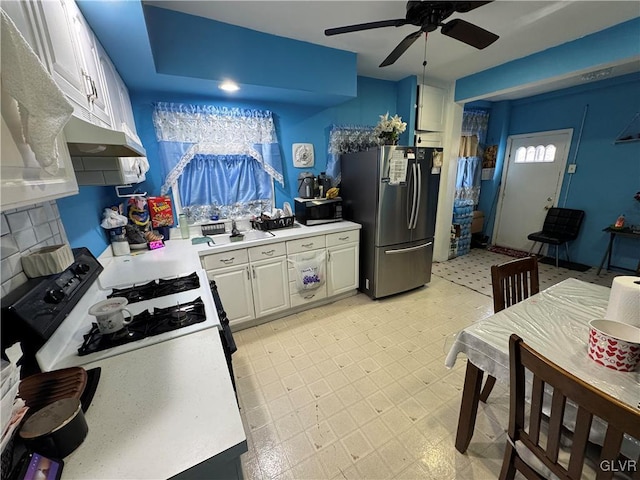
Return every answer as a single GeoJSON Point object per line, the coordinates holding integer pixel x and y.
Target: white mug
{"type": "Point", "coordinates": [109, 314]}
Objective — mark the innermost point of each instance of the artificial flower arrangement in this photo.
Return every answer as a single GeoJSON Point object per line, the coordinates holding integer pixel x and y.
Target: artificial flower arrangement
{"type": "Point", "coordinates": [389, 129]}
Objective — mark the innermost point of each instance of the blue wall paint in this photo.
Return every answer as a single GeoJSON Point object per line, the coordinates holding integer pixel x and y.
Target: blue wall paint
{"type": "Point", "coordinates": [218, 50]}
{"type": "Point", "coordinates": [608, 174]}
{"type": "Point", "coordinates": [81, 216]}
{"type": "Point", "coordinates": [614, 44]}
{"type": "Point", "coordinates": [294, 124]}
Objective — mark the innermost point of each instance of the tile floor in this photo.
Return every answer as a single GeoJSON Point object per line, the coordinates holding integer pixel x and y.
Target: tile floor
{"type": "Point", "coordinates": [358, 389]}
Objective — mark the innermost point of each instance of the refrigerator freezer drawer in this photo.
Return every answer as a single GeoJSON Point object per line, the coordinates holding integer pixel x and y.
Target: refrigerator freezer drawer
{"type": "Point", "coordinates": [402, 268]}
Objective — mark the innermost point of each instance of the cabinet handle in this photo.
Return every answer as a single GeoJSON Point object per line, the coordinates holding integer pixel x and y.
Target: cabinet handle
{"type": "Point", "coordinates": [88, 89]}
{"type": "Point", "coordinates": [94, 90]}
{"type": "Point", "coordinates": [268, 253]}
{"type": "Point", "coordinates": [307, 297]}
{"type": "Point", "coordinates": [227, 260]}
{"type": "Point", "coordinates": [248, 275]}
{"type": "Point", "coordinates": [307, 245]}
{"type": "Point", "coordinates": [328, 255]}
{"type": "Point", "coordinates": [253, 270]}
{"type": "Point", "coordinates": [343, 238]}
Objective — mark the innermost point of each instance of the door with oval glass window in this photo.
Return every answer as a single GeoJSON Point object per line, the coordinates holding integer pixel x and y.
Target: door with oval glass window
{"type": "Point", "coordinates": [531, 184]}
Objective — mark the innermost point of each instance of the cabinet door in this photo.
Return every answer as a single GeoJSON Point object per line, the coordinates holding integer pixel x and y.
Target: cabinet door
{"type": "Point", "coordinates": [112, 89]}
{"type": "Point", "coordinates": [270, 286]}
{"type": "Point", "coordinates": [90, 67]}
{"type": "Point", "coordinates": [234, 287]}
{"type": "Point", "coordinates": [21, 14]}
{"type": "Point", "coordinates": [60, 42]}
{"type": "Point", "coordinates": [342, 268]}
{"type": "Point", "coordinates": [431, 109]}
{"type": "Point", "coordinates": [128, 122]}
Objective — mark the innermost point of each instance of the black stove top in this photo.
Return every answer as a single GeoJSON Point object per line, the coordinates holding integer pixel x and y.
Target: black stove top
{"type": "Point", "coordinates": [157, 288]}
{"type": "Point", "coordinates": [146, 324]}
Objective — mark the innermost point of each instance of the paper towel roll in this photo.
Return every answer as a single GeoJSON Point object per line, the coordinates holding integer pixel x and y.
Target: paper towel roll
{"type": "Point", "coordinates": [624, 301]}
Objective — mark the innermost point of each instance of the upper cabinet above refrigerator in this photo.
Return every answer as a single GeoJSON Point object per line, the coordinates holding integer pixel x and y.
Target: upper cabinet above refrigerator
{"type": "Point", "coordinates": [431, 109]}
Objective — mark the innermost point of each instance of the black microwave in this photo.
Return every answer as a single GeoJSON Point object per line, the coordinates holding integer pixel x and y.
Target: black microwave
{"type": "Point", "coordinates": [316, 211]}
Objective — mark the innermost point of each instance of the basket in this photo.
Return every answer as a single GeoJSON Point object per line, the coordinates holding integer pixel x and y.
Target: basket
{"type": "Point", "coordinates": [273, 223]}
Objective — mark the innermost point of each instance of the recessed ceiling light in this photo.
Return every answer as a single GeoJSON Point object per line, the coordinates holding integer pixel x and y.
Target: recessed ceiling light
{"type": "Point", "coordinates": [229, 86]}
{"type": "Point", "coordinates": [597, 74]}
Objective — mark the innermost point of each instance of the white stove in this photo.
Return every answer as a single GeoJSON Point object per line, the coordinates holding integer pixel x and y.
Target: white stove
{"type": "Point", "coordinates": [61, 349]}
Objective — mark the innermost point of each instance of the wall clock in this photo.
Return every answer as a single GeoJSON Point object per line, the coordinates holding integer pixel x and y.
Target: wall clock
{"type": "Point", "coordinates": [302, 155]}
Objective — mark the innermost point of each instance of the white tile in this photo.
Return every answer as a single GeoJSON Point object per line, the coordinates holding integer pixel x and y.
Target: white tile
{"type": "Point", "coordinates": [43, 232]}
{"type": "Point", "coordinates": [38, 215]}
{"type": "Point", "coordinates": [4, 225]}
{"type": "Point", "coordinates": [26, 239]}
{"type": "Point", "coordinates": [48, 210]}
{"type": "Point", "coordinates": [8, 246]}
{"type": "Point", "coordinates": [11, 266]}
{"type": "Point", "coordinates": [15, 282]}
{"type": "Point", "coordinates": [19, 221]}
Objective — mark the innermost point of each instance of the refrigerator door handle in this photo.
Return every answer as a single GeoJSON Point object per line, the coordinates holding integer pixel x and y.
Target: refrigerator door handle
{"type": "Point", "coordinates": [419, 190]}
{"type": "Point", "coordinates": [415, 195]}
{"type": "Point", "coordinates": [410, 249]}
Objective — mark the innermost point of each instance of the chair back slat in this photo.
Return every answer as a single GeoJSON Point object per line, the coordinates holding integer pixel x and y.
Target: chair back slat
{"type": "Point", "coordinates": [620, 419]}
{"type": "Point", "coordinates": [514, 281]}
{"type": "Point", "coordinates": [580, 438]}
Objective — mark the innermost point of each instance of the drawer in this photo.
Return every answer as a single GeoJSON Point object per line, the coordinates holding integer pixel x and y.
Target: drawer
{"type": "Point", "coordinates": [305, 244]}
{"type": "Point", "coordinates": [227, 259]}
{"type": "Point", "coordinates": [310, 296]}
{"type": "Point", "coordinates": [352, 236]}
{"type": "Point", "coordinates": [267, 251]}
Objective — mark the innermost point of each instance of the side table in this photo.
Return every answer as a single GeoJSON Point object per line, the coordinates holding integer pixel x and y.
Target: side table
{"type": "Point", "coordinates": [613, 233]}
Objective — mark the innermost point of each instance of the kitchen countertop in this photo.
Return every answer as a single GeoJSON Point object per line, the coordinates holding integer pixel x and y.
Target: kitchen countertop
{"type": "Point", "coordinates": [179, 256]}
{"type": "Point", "coordinates": [170, 407]}
{"type": "Point", "coordinates": [159, 411]}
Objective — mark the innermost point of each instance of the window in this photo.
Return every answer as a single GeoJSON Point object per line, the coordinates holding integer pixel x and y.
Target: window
{"type": "Point", "coordinates": [535, 154]}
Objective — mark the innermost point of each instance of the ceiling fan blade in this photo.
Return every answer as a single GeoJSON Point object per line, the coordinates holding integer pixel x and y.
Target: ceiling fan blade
{"type": "Point", "coordinates": [401, 48]}
{"type": "Point", "coordinates": [365, 26]}
{"type": "Point", "coordinates": [469, 33]}
{"type": "Point", "coordinates": [464, 7]}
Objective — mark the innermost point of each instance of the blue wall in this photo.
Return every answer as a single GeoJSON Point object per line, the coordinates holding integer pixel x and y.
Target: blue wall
{"type": "Point", "coordinates": [82, 214]}
{"type": "Point", "coordinates": [608, 174]}
{"type": "Point", "coordinates": [294, 124]}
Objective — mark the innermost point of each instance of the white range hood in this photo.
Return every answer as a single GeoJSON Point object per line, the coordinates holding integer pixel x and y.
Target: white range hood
{"type": "Point", "coordinates": [85, 139]}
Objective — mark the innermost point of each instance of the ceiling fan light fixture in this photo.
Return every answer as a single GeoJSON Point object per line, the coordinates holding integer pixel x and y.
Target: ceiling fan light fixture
{"type": "Point", "coordinates": [229, 86]}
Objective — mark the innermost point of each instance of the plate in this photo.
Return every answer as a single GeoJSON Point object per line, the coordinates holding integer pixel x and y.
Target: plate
{"type": "Point", "coordinates": [286, 208]}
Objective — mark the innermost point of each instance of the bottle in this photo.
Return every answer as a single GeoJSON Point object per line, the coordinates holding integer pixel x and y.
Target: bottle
{"type": "Point", "coordinates": [620, 221]}
{"type": "Point", "coordinates": [184, 225]}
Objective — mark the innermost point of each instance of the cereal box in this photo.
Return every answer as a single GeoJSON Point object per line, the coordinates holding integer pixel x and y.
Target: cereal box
{"type": "Point", "coordinates": [161, 211]}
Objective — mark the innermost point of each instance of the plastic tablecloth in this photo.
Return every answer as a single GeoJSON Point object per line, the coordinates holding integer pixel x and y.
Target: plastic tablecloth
{"type": "Point", "coordinates": [554, 322]}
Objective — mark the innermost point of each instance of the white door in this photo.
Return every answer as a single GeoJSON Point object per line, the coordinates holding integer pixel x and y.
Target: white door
{"type": "Point", "coordinates": [234, 287]}
{"type": "Point", "coordinates": [342, 269]}
{"type": "Point", "coordinates": [270, 286]}
{"type": "Point", "coordinates": [531, 183]}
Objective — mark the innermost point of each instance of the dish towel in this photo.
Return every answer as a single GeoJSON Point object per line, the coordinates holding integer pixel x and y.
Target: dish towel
{"type": "Point", "coordinates": [44, 110]}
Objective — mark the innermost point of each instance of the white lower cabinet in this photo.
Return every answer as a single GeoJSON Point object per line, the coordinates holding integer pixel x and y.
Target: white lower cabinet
{"type": "Point", "coordinates": [261, 281]}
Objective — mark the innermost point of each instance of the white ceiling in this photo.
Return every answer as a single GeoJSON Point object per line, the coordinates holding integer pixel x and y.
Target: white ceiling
{"type": "Point", "coordinates": [524, 27]}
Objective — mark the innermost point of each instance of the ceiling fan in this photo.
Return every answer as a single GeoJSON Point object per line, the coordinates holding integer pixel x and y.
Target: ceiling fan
{"type": "Point", "coordinates": [429, 16]}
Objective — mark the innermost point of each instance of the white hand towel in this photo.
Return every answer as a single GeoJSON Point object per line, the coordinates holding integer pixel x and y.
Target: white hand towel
{"type": "Point", "coordinates": [44, 110]}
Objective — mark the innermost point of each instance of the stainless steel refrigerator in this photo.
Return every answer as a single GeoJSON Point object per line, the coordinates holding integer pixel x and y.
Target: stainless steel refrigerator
{"type": "Point", "coordinates": [392, 192]}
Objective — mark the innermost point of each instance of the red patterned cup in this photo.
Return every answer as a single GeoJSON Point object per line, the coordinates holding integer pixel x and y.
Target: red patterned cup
{"type": "Point", "coordinates": [615, 345]}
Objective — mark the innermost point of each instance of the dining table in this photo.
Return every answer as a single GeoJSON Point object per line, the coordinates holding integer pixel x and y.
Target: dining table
{"type": "Point", "coordinates": [554, 322]}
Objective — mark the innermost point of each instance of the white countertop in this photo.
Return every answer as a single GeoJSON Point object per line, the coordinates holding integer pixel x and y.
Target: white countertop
{"type": "Point", "coordinates": [165, 408]}
{"type": "Point", "coordinates": [158, 411]}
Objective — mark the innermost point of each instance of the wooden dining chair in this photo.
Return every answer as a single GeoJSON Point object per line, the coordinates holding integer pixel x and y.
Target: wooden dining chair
{"type": "Point", "coordinates": [512, 282]}
{"type": "Point", "coordinates": [536, 455]}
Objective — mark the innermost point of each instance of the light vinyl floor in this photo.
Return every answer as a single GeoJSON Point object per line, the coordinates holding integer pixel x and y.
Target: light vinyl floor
{"type": "Point", "coordinates": [358, 389]}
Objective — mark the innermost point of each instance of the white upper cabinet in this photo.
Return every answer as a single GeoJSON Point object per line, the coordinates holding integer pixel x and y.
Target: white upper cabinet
{"type": "Point", "coordinates": [61, 51]}
{"type": "Point", "coordinates": [22, 15]}
{"type": "Point", "coordinates": [431, 109]}
{"type": "Point", "coordinates": [81, 67]}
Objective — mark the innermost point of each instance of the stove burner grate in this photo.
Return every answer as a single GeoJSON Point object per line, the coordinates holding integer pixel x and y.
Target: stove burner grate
{"type": "Point", "coordinates": [157, 288]}
{"type": "Point", "coordinates": [145, 324]}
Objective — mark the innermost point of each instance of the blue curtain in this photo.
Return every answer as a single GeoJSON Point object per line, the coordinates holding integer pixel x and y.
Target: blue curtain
{"type": "Point", "coordinates": [223, 180]}
{"type": "Point", "coordinates": [469, 174]}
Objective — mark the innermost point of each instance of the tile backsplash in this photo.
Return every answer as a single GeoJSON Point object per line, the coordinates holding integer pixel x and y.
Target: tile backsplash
{"type": "Point", "coordinates": [23, 230]}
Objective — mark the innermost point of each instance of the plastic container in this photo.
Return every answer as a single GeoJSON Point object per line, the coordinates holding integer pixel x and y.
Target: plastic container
{"type": "Point", "coordinates": [119, 245]}
{"type": "Point", "coordinates": [184, 225]}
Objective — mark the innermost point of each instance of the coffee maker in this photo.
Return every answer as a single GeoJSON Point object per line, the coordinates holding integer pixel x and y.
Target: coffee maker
{"type": "Point", "coordinates": [306, 181]}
